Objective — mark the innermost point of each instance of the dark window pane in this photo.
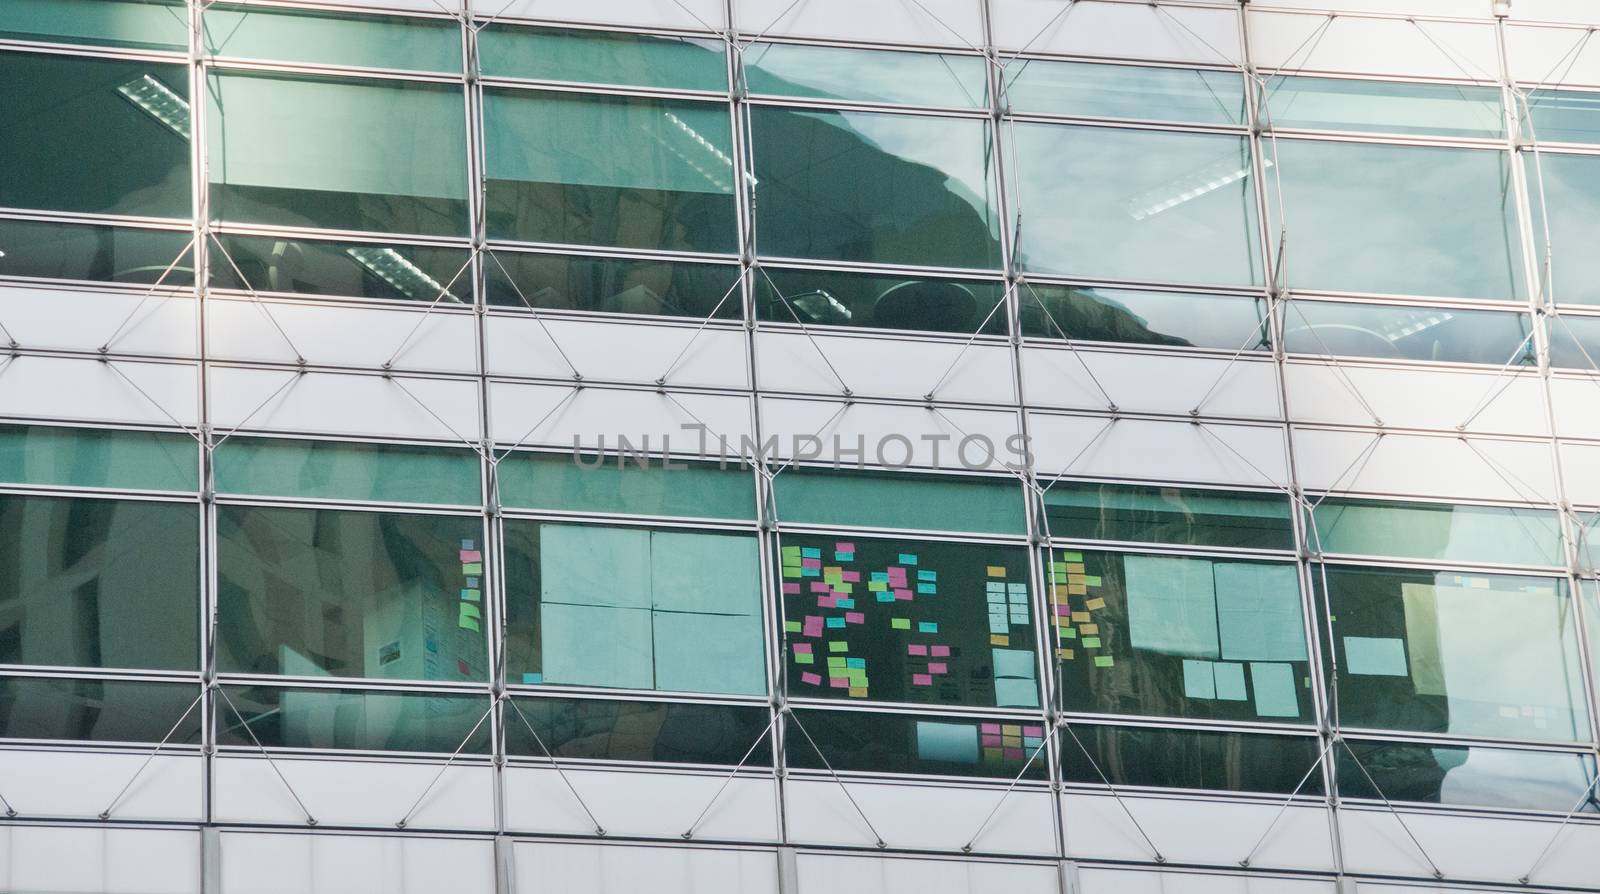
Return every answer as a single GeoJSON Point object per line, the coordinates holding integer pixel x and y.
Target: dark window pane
{"type": "Point", "coordinates": [664, 732]}
{"type": "Point", "coordinates": [1083, 511]}
{"type": "Point", "coordinates": [1226, 322]}
{"type": "Point", "coordinates": [340, 470]}
{"type": "Point", "coordinates": [318, 592]}
{"type": "Point", "coordinates": [1190, 759]}
{"type": "Point", "coordinates": [1469, 777]}
{"type": "Point", "coordinates": [344, 269]}
{"type": "Point", "coordinates": [878, 500]}
{"type": "Point", "coordinates": [600, 57]}
{"type": "Point", "coordinates": [897, 743]}
{"type": "Point", "coordinates": [1514, 536]}
{"type": "Point", "coordinates": [1407, 333]}
{"type": "Point", "coordinates": [140, 24]}
{"type": "Point", "coordinates": [97, 710]}
{"type": "Point", "coordinates": [94, 253]}
{"type": "Point", "coordinates": [613, 285]}
{"type": "Point", "coordinates": [99, 583]}
{"type": "Point", "coordinates": [616, 484]}
{"type": "Point", "coordinates": [908, 621]}
{"type": "Point", "coordinates": [365, 41]}
{"type": "Point", "coordinates": [91, 457]}
{"type": "Point", "coordinates": [350, 719]}
{"type": "Point", "coordinates": [822, 298]}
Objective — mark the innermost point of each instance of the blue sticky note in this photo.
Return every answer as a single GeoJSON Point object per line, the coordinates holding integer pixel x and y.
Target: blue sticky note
{"type": "Point", "coordinates": [847, 603]}
{"type": "Point", "coordinates": [811, 552]}
{"type": "Point", "coordinates": [880, 576]}
{"type": "Point", "coordinates": [532, 678]}
{"type": "Point", "coordinates": [844, 557]}
{"type": "Point", "coordinates": [855, 662]}
{"type": "Point", "coordinates": [885, 597]}
{"type": "Point", "coordinates": [927, 627]}
{"type": "Point", "coordinates": [927, 575]}
{"type": "Point", "coordinates": [908, 558]}
{"type": "Point", "coordinates": [836, 622]}
{"type": "Point", "coordinates": [927, 588]}
{"type": "Point", "coordinates": [472, 583]}
{"type": "Point", "coordinates": [995, 586]}
{"type": "Point", "coordinates": [811, 572]}
{"type": "Point", "coordinates": [468, 544]}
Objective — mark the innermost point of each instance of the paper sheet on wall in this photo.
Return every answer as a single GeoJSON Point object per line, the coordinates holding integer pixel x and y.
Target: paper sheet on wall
{"type": "Point", "coordinates": [1487, 645]}
{"type": "Point", "coordinates": [1258, 612]}
{"type": "Point", "coordinates": [583, 565]}
{"type": "Point", "coordinates": [596, 645]}
{"type": "Point", "coordinates": [1375, 656]}
{"type": "Point", "coordinates": [1230, 681]}
{"type": "Point", "coordinates": [953, 742]}
{"type": "Point", "coordinates": [1199, 680]}
{"type": "Point", "coordinates": [1274, 688]}
{"type": "Point", "coordinates": [709, 653]}
{"type": "Point", "coordinates": [696, 572]}
{"type": "Point", "coordinates": [1172, 606]}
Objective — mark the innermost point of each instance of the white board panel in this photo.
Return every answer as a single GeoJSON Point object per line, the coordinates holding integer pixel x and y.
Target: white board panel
{"type": "Point", "coordinates": [1198, 832]}
{"type": "Point", "coordinates": [329, 863]}
{"type": "Point", "coordinates": [167, 789]}
{"type": "Point", "coordinates": [346, 335]}
{"type": "Point", "coordinates": [1252, 455]}
{"type": "Point", "coordinates": [843, 874]}
{"type": "Point", "coordinates": [1149, 382]}
{"type": "Point", "coordinates": [554, 868]}
{"type": "Point", "coordinates": [162, 324]}
{"type": "Point", "coordinates": [80, 860]}
{"type": "Point", "coordinates": [1119, 30]}
{"type": "Point", "coordinates": [886, 367]}
{"type": "Point", "coordinates": [921, 817]}
{"type": "Point", "coordinates": [561, 416]}
{"type": "Point", "coordinates": [1416, 398]}
{"type": "Point", "coordinates": [354, 793]}
{"type": "Point", "coordinates": [340, 403]}
{"type": "Point", "coordinates": [893, 435]}
{"type": "Point", "coordinates": [712, 357]}
{"type": "Point", "coordinates": [85, 390]}
{"type": "Point", "coordinates": [955, 23]}
{"type": "Point", "coordinates": [653, 804]}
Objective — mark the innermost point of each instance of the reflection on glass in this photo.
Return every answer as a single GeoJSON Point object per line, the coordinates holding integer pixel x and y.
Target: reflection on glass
{"type": "Point", "coordinates": [95, 253]}
{"type": "Point", "coordinates": [1446, 110]}
{"type": "Point", "coordinates": [1590, 592]}
{"type": "Point", "coordinates": [346, 269]}
{"type": "Point", "coordinates": [1407, 333]}
{"type": "Point", "coordinates": [855, 498]}
{"type": "Point", "coordinates": [1190, 759]}
{"type": "Point", "coordinates": [1088, 90]}
{"type": "Point", "coordinates": [613, 285]}
{"type": "Point", "coordinates": [88, 457]}
{"type": "Point", "coordinates": [1514, 536]}
{"type": "Point", "coordinates": [365, 41]}
{"type": "Point", "coordinates": [656, 732]}
{"type": "Point", "coordinates": [340, 153]}
{"type": "Point", "coordinates": [864, 186]}
{"type": "Point", "coordinates": [1080, 313]}
{"type": "Point", "coordinates": [856, 75]}
{"type": "Point", "coordinates": [599, 57]}
{"type": "Point", "coordinates": [338, 470]}
{"type": "Point", "coordinates": [94, 135]}
{"type": "Point", "coordinates": [633, 608]}
{"type": "Point", "coordinates": [664, 180]}
{"type": "Point", "coordinates": [616, 483]}
{"type": "Point", "coordinates": [141, 24]}
{"type": "Point", "coordinates": [1136, 205]}
{"type": "Point", "coordinates": [352, 720]}
{"type": "Point", "coordinates": [908, 621]}
{"type": "Point", "coordinates": [1568, 194]}
{"type": "Point", "coordinates": [97, 710]}
{"type": "Point", "coordinates": [824, 298]}
{"type": "Point", "coordinates": [1411, 220]}
{"type": "Point", "coordinates": [1084, 511]}
{"type": "Point", "coordinates": [1176, 636]}
{"type": "Point", "coordinates": [900, 743]}
{"type": "Point", "coordinates": [327, 592]}
{"type": "Point", "coordinates": [1467, 654]}
{"type": "Point", "coordinates": [1468, 777]}
{"type": "Point", "coordinates": [1562, 116]}
{"type": "Point", "coordinates": [1574, 341]}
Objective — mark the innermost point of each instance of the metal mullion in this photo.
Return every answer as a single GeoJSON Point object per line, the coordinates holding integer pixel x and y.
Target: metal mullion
{"type": "Point", "coordinates": [624, 765]}
{"type": "Point", "coordinates": [1152, 124]}
{"type": "Point", "coordinates": [1307, 359]}
{"type": "Point", "coordinates": [1495, 437]}
{"type": "Point", "coordinates": [1404, 737]}
{"type": "Point", "coordinates": [918, 336]}
{"type": "Point", "coordinates": [314, 234]}
{"type": "Point", "coordinates": [1219, 796]}
{"type": "Point", "coordinates": [1187, 724]}
{"type": "Point", "coordinates": [843, 106]}
{"type": "Point", "coordinates": [922, 780]}
{"type": "Point", "coordinates": [1379, 16]}
{"type": "Point", "coordinates": [1323, 296]}
{"type": "Point", "coordinates": [1136, 349]}
{"type": "Point", "coordinates": [1430, 80]}
{"type": "Point", "coordinates": [836, 266]}
{"type": "Point", "coordinates": [1205, 290]}
{"type": "Point", "coordinates": [1120, 62]}
{"type": "Point", "coordinates": [559, 249]}
{"type": "Point", "coordinates": [232, 64]}
{"type": "Point", "coordinates": [1092, 412]}
{"type": "Point", "coordinates": [528, 692]}
{"type": "Point", "coordinates": [1397, 140]}
{"type": "Point", "coordinates": [656, 321]}
{"type": "Point", "coordinates": [71, 491]}
{"type": "Point", "coordinates": [975, 538]}
{"type": "Point", "coordinates": [1349, 560]}
{"type": "Point", "coordinates": [587, 88]}
{"type": "Point", "coordinates": [342, 755]}
{"type": "Point", "coordinates": [878, 707]}
{"type": "Point", "coordinates": [600, 384]}
{"type": "Point", "coordinates": [850, 44]}
{"type": "Point", "coordinates": [1314, 493]}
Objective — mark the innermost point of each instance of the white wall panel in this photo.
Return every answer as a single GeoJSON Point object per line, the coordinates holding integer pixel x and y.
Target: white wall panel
{"type": "Point", "coordinates": [920, 816]}
{"type": "Point", "coordinates": [1580, 467]}
{"type": "Point", "coordinates": [698, 15]}
{"type": "Point", "coordinates": [559, 416]}
{"type": "Point", "coordinates": [343, 335]}
{"type": "Point", "coordinates": [1476, 848]}
{"type": "Point", "coordinates": [914, 435]}
{"type": "Point", "coordinates": [551, 868]}
{"type": "Point", "coordinates": [1119, 30]}
{"type": "Point", "coordinates": [339, 403]}
{"type": "Point", "coordinates": [1422, 465]}
{"type": "Point", "coordinates": [1098, 880]}
{"type": "Point", "coordinates": [354, 793]}
{"type": "Point", "coordinates": [1373, 46]}
{"type": "Point", "coordinates": [91, 391]}
{"type": "Point", "coordinates": [1199, 832]}
{"type": "Point", "coordinates": [167, 789]}
{"type": "Point", "coordinates": [1583, 12]}
{"type": "Point", "coordinates": [1416, 398]}
{"type": "Point", "coordinates": [957, 23]}
{"type": "Point", "coordinates": [324, 863]}
{"type": "Point", "coordinates": [655, 804]}
{"type": "Point", "coordinates": [1149, 383]}
{"type": "Point", "coordinates": [1574, 400]}
{"type": "Point", "coordinates": [1461, 9]}
{"type": "Point", "coordinates": [886, 367]}
{"type": "Point", "coordinates": [1169, 451]}
{"type": "Point", "coordinates": [519, 345]}
{"type": "Point", "coordinates": [1568, 56]}
{"type": "Point", "coordinates": [69, 319]}
{"type": "Point", "coordinates": [75, 860]}
{"type": "Point", "coordinates": [841, 874]}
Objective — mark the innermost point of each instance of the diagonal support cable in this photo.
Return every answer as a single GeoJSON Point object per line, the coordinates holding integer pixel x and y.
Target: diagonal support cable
{"type": "Point", "coordinates": [105, 346]}
{"type": "Point", "coordinates": [662, 379]}
{"type": "Point", "coordinates": [106, 813]}
{"type": "Point", "coordinates": [689, 832]}
{"type": "Point", "coordinates": [1538, 861]}
{"type": "Point", "coordinates": [299, 356]}
{"type": "Point", "coordinates": [288, 384]}
{"type": "Point", "coordinates": [1039, 300]}
{"type": "Point", "coordinates": [1323, 755]}
{"type": "Point", "coordinates": [1159, 858]}
{"type": "Point", "coordinates": [1065, 9]}
{"type": "Point", "coordinates": [1492, 394]}
{"type": "Point", "coordinates": [471, 444]}
{"type": "Point", "coordinates": [146, 395]}
{"type": "Point", "coordinates": [834, 773]}
{"type": "Point", "coordinates": [967, 345]}
{"type": "Point", "coordinates": [571, 393]}
{"type": "Point", "coordinates": [576, 376]}
{"type": "Point", "coordinates": [804, 329]}
{"type": "Point", "coordinates": [967, 848]}
{"type": "Point", "coordinates": [443, 293]}
{"type": "Point", "coordinates": [310, 820]}
{"type": "Point", "coordinates": [401, 823]}
{"type": "Point", "coordinates": [1253, 336]}
{"type": "Point", "coordinates": [599, 830]}
{"type": "Point", "coordinates": [1387, 803]}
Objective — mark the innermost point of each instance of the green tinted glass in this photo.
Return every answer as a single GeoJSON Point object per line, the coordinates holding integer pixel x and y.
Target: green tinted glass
{"type": "Point", "coordinates": [347, 269]}
{"type": "Point", "coordinates": [652, 732]}
{"type": "Point", "coordinates": [1437, 531]}
{"type": "Point", "coordinates": [1087, 90]}
{"type": "Point", "coordinates": [1145, 318]}
{"type": "Point", "coordinates": [613, 285]}
{"type": "Point", "coordinates": [1407, 333]}
{"type": "Point", "coordinates": [382, 156]}
{"type": "Point", "coordinates": [856, 75]}
{"type": "Point", "coordinates": [334, 470]}
{"type": "Point", "coordinates": [1136, 204]}
{"type": "Point", "coordinates": [352, 720]}
{"type": "Point", "coordinates": [900, 743]}
{"type": "Point", "coordinates": [1568, 194]}
{"type": "Point", "coordinates": [95, 253]}
{"type": "Point", "coordinates": [1574, 341]}
{"type": "Point", "coordinates": [605, 484]}
{"type": "Point", "coordinates": [142, 24]}
{"type": "Point", "coordinates": [598, 57]}
{"type": "Point", "coordinates": [1444, 110]}
{"type": "Point", "coordinates": [88, 457]}
{"type": "Point", "coordinates": [1468, 777]}
{"type": "Point", "coordinates": [1083, 511]}
{"type": "Point", "coordinates": [94, 135]}
{"type": "Point", "coordinates": [925, 502]}
{"type": "Point", "coordinates": [828, 298]}
{"type": "Point", "coordinates": [1191, 759]}
{"type": "Point", "coordinates": [1562, 116]}
{"type": "Point", "coordinates": [98, 710]}
{"type": "Point", "coordinates": [333, 39]}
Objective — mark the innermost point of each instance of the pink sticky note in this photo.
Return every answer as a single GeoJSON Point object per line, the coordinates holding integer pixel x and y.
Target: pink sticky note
{"type": "Point", "coordinates": [471, 555]}
{"type": "Point", "coordinates": [897, 572]}
{"type": "Point", "coordinates": [810, 563]}
{"type": "Point", "coordinates": [791, 588]}
{"type": "Point", "coordinates": [1033, 731]}
{"type": "Point", "coordinates": [855, 618]}
{"type": "Point", "coordinates": [811, 679]}
{"type": "Point", "coordinates": [827, 602]}
{"type": "Point", "coordinates": [989, 729]}
{"type": "Point", "coordinates": [818, 586]}
{"type": "Point", "coordinates": [1014, 754]}
{"type": "Point", "coordinates": [991, 741]}
{"type": "Point", "coordinates": [921, 680]}
{"type": "Point", "coordinates": [839, 682]}
{"type": "Point", "coordinates": [844, 547]}
{"type": "Point", "coordinates": [802, 648]}
{"type": "Point", "coordinates": [1064, 610]}
{"type": "Point", "coordinates": [902, 594]}
{"type": "Point", "coordinates": [916, 650]}
{"type": "Point", "coordinates": [936, 667]}
{"type": "Point", "coordinates": [850, 577]}
{"type": "Point", "coordinates": [939, 651]}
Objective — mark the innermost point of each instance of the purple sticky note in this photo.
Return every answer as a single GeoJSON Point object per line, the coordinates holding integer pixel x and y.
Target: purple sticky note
{"type": "Point", "coordinates": [989, 729]}
{"type": "Point", "coordinates": [844, 547]}
{"type": "Point", "coordinates": [811, 679]}
{"type": "Point", "coordinates": [902, 594]}
{"type": "Point", "coordinates": [791, 588]}
{"type": "Point", "coordinates": [802, 648]}
{"type": "Point", "coordinates": [936, 667]}
{"type": "Point", "coordinates": [939, 651]}
{"type": "Point", "coordinates": [921, 680]}
{"type": "Point", "coordinates": [854, 618]}
{"type": "Point", "coordinates": [850, 577]}
{"type": "Point", "coordinates": [1014, 754]}
{"type": "Point", "coordinates": [915, 649]}
{"type": "Point", "coordinates": [991, 741]}
{"type": "Point", "coordinates": [818, 586]}
{"type": "Point", "coordinates": [1034, 731]}
{"type": "Point", "coordinates": [471, 555]}
{"type": "Point", "coordinates": [827, 602]}
{"type": "Point", "coordinates": [810, 563]}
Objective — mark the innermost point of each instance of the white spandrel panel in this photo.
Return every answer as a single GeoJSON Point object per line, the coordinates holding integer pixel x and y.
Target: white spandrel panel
{"type": "Point", "coordinates": [330, 334]}
{"type": "Point", "coordinates": [84, 390]}
{"type": "Point", "coordinates": [168, 789]}
{"type": "Point", "coordinates": [1350, 394]}
{"type": "Point", "coordinates": [332, 863]}
{"type": "Point", "coordinates": [1206, 453]}
{"type": "Point", "coordinates": [82, 860]}
{"type": "Point", "coordinates": [596, 418]}
{"type": "Point", "coordinates": [695, 15]}
{"type": "Point", "coordinates": [1566, 56]}
{"type": "Point", "coordinates": [1201, 832]}
{"type": "Point", "coordinates": [340, 403]}
{"type": "Point", "coordinates": [378, 794]}
{"type": "Point", "coordinates": [1149, 382]}
{"type": "Point", "coordinates": [161, 323]}
{"type": "Point", "coordinates": [837, 873]}
{"type": "Point", "coordinates": [638, 803]}
{"type": "Point", "coordinates": [1458, 9]}
{"type": "Point", "coordinates": [1580, 468]}
{"type": "Point", "coordinates": [954, 23]}
{"type": "Point", "coordinates": [1581, 12]}
{"type": "Point", "coordinates": [1573, 399]}
{"type": "Point", "coordinates": [1100, 880]}
{"type": "Point", "coordinates": [686, 355]}
{"type": "Point", "coordinates": [1473, 468]}
{"type": "Point", "coordinates": [1119, 30]}
{"type": "Point", "coordinates": [886, 367]}
{"type": "Point", "coordinates": [1470, 848]}
{"type": "Point", "coordinates": [892, 435]}
{"type": "Point", "coordinates": [560, 868]}
{"type": "Point", "coordinates": [1311, 43]}
{"type": "Point", "coordinates": [425, 6]}
{"type": "Point", "coordinates": [921, 817]}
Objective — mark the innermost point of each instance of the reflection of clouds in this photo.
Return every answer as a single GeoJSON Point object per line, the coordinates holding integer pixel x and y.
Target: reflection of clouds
{"type": "Point", "coordinates": [1494, 777]}
{"type": "Point", "coordinates": [1571, 185]}
{"type": "Point", "coordinates": [929, 79]}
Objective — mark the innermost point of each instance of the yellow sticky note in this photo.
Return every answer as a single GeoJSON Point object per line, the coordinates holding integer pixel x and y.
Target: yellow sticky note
{"type": "Point", "coordinates": [1091, 629]}
{"type": "Point", "coordinates": [858, 692]}
{"type": "Point", "coordinates": [1096, 604]}
{"type": "Point", "coordinates": [996, 571]}
{"type": "Point", "coordinates": [1064, 654]}
{"type": "Point", "coordinates": [999, 639]}
{"type": "Point", "coordinates": [1077, 590]}
{"type": "Point", "coordinates": [1075, 568]}
{"type": "Point", "coordinates": [1081, 618]}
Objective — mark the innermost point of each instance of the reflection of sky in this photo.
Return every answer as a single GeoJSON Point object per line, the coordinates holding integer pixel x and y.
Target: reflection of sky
{"type": "Point", "coordinates": [930, 79]}
{"type": "Point", "coordinates": [1571, 185]}
{"type": "Point", "coordinates": [1495, 777]}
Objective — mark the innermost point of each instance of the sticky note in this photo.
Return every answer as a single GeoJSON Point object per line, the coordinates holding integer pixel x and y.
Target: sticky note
{"type": "Point", "coordinates": [937, 667]}
{"type": "Point", "coordinates": [859, 663]}
{"type": "Point", "coordinates": [1091, 642]}
{"type": "Point", "coordinates": [836, 623]}
{"type": "Point", "coordinates": [1013, 663]}
{"type": "Point", "coordinates": [900, 623]}
{"type": "Point", "coordinates": [922, 679]}
{"type": "Point", "coordinates": [916, 649]}
{"type": "Point", "coordinates": [810, 552]}
{"type": "Point", "coordinates": [1274, 689]}
{"type": "Point", "coordinates": [1198, 679]}
{"type": "Point", "coordinates": [1081, 618]}
{"type": "Point", "coordinates": [471, 596]}
{"type": "Point", "coordinates": [1064, 654]}
{"type": "Point", "coordinates": [468, 617]}
{"type": "Point", "coordinates": [844, 602]}
{"type": "Point", "coordinates": [927, 627]}
{"type": "Point", "coordinates": [790, 588]}
{"type": "Point", "coordinates": [925, 574]}
{"type": "Point", "coordinates": [1091, 580]}
{"type": "Point", "coordinates": [468, 544]}
{"type": "Point", "coordinates": [927, 589]}
{"type": "Point", "coordinates": [472, 569]}
{"type": "Point", "coordinates": [854, 618]}
{"type": "Point", "coordinates": [884, 597]}
{"type": "Point", "coordinates": [858, 692]}
{"type": "Point", "coordinates": [850, 577]}
{"type": "Point", "coordinates": [1096, 604]}
{"type": "Point", "coordinates": [818, 586]}
{"type": "Point", "coordinates": [1230, 681]}
{"type": "Point", "coordinates": [1375, 656]}
{"type": "Point", "coordinates": [844, 546]}
{"type": "Point", "coordinates": [1104, 661]}
{"type": "Point", "coordinates": [879, 586]}
{"type": "Point", "coordinates": [908, 558]}
{"type": "Point", "coordinates": [533, 678]}
{"type": "Point", "coordinates": [801, 647]}
{"type": "Point", "coordinates": [902, 594]}
{"type": "Point", "coordinates": [805, 658]}
{"type": "Point", "coordinates": [995, 586]}
{"type": "Point", "coordinates": [836, 663]}
{"type": "Point", "coordinates": [838, 646]}
{"type": "Point", "coordinates": [997, 571]}
{"type": "Point", "coordinates": [999, 639]}
{"type": "Point", "coordinates": [811, 679]}
{"type": "Point", "coordinates": [1091, 629]}
{"type": "Point", "coordinates": [471, 555]}
{"type": "Point", "coordinates": [1068, 632]}
{"type": "Point", "coordinates": [939, 651]}
{"type": "Point", "coordinates": [844, 557]}
{"type": "Point", "coordinates": [839, 682]}
{"type": "Point", "coordinates": [1010, 692]}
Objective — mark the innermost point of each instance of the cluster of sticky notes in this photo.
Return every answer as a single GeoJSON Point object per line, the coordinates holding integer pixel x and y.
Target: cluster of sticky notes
{"type": "Point", "coordinates": [1008, 605]}
{"type": "Point", "coordinates": [1009, 742]}
{"type": "Point", "coordinates": [1074, 627]}
{"type": "Point", "coordinates": [844, 552]}
{"type": "Point", "coordinates": [801, 561]}
{"type": "Point", "coordinates": [845, 672]}
{"type": "Point", "coordinates": [470, 614]}
{"type": "Point", "coordinates": [934, 668]}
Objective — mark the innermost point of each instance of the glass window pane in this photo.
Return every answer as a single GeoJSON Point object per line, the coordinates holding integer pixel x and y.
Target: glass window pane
{"type": "Point", "coordinates": [1087, 90]}
{"type": "Point", "coordinates": [327, 592]}
{"type": "Point", "coordinates": [353, 720]}
{"type": "Point", "coordinates": [607, 484]}
{"type": "Point", "coordinates": [1514, 536]}
{"type": "Point", "coordinates": [335, 470]}
{"type": "Point", "coordinates": [1563, 116]}
{"type": "Point", "coordinates": [344, 269]}
{"type": "Point", "coordinates": [89, 457]}
{"type": "Point", "coordinates": [365, 41]}
{"type": "Point", "coordinates": [825, 298]}
{"type": "Point", "coordinates": [1226, 322]}
{"type": "Point", "coordinates": [1445, 110]}
{"type": "Point", "coordinates": [142, 24]}
{"type": "Point", "coordinates": [95, 253]}
{"type": "Point", "coordinates": [1469, 777]}
{"type": "Point", "coordinates": [912, 502]}
{"type": "Point", "coordinates": [1136, 204]}
{"type": "Point", "coordinates": [1084, 511]}
{"type": "Point", "coordinates": [1468, 654]}
{"type": "Point", "coordinates": [80, 589]}
{"type": "Point", "coordinates": [899, 743]}
{"type": "Point", "coordinates": [1174, 636]}
{"type": "Point", "coordinates": [1591, 617]}
{"type": "Point", "coordinates": [384, 156]}
{"type": "Point", "coordinates": [97, 710]}
{"type": "Point", "coordinates": [1411, 220]}
{"type": "Point", "coordinates": [1443, 334]}
{"type": "Point", "coordinates": [599, 57]}
{"type": "Point", "coordinates": [633, 608]}
{"type": "Point", "coordinates": [1190, 759]}
{"type": "Point", "coordinates": [94, 135]}
{"type": "Point", "coordinates": [664, 181]}
{"type": "Point", "coordinates": [863, 186]}
{"type": "Point", "coordinates": [1566, 190]}
{"type": "Point", "coordinates": [653, 732]}
{"type": "Point", "coordinates": [908, 621]}
{"type": "Point", "coordinates": [613, 285]}
{"type": "Point", "coordinates": [1574, 341]}
{"type": "Point", "coordinates": [856, 75]}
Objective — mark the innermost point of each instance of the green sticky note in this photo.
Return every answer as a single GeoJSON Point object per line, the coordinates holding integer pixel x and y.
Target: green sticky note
{"type": "Point", "coordinates": [792, 626]}
{"type": "Point", "coordinates": [1104, 661]}
{"type": "Point", "coordinates": [804, 658]}
{"type": "Point", "coordinates": [1071, 557]}
{"type": "Point", "coordinates": [836, 661]}
{"type": "Point", "coordinates": [877, 586]}
{"type": "Point", "coordinates": [474, 568]}
{"type": "Point", "coordinates": [1091, 642]}
{"type": "Point", "coordinates": [1069, 633]}
{"type": "Point", "coordinates": [838, 647]}
{"type": "Point", "coordinates": [1091, 580]}
{"type": "Point", "coordinates": [900, 623]}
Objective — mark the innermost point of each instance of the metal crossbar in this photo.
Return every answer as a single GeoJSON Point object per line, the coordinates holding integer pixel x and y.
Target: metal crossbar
{"type": "Point", "coordinates": [967, 848]}
{"type": "Point", "coordinates": [1434, 867]}
{"type": "Point", "coordinates": [1155, 851]}
{"type": "Point", "coordinates": [106, 813]}
{"type": "Point", "coordinates": [689, 832]}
